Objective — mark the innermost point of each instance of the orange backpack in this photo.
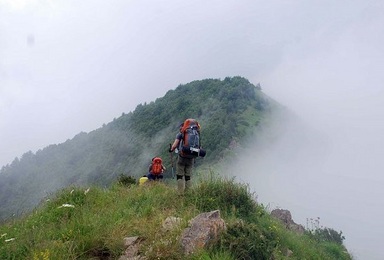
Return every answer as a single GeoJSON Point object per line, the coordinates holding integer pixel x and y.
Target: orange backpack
{"type": "Point", "coordinates": [157, 165]}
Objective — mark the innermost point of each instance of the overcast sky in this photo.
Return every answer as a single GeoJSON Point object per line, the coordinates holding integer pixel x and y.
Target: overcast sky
{"type": "Point", "coordinates": [69, 66]}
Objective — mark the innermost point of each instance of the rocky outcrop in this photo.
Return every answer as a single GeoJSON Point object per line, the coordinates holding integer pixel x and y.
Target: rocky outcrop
{"type": "Point", "coordinates": [205, 228]}
{"type": "Point", "coordinates": [131, 252]}
{"type": "Point", "coordinates": [171, 223]}
{"type": "Point", "coordinates": [285, 216]}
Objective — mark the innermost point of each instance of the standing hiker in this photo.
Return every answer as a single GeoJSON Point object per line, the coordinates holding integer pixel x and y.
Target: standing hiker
{"type": "Point", "coordinates": [156, 169]}
{"type": "Point", "coordinates": [188, 144]}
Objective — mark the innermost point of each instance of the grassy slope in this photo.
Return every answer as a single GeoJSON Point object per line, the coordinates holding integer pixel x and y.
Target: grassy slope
{"type": "Point", "coordinates": [100, 219]}
{"type": "Point", "coordinates": [228, 110]}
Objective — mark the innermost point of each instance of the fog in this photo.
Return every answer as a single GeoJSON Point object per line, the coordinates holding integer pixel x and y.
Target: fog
{"type": "Point", "coordinates": [327, 161]}
{"type": "Point", "coordinates": [333, 175]}
{"type": "Point", "coordinates": [70, 66]}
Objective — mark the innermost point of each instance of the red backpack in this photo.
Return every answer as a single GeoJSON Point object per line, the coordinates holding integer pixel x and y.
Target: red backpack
{"type": "Point", "coordinates": [157, 165]}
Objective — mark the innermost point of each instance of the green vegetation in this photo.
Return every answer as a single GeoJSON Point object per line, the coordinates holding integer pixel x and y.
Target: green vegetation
{"type": "Point", "coordinates": [72, 221]}
{"type": "Point", "coordinates": [228, 111]}
{"type": "Point", "coordinates": [91, 223]}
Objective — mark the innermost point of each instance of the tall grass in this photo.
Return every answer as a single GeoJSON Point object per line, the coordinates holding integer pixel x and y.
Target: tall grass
{"type": "Point", "coordinates": [78, 223]}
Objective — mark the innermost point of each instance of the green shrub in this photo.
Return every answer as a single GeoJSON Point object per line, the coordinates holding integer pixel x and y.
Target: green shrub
{"type": "Point", "coordinates": [328, 234]}
{"type": "Point", "coordinates": [248, 241]}
{"type": "Point", "coordinates": [222, 254]}
{"type": "Point", "coordinates": [233, 199]}
{"type": "Point", "coordinates": [323, 234]}
{"type": "Point", "coordinates": [335, 251]}
{"type": "Point", "coordinates": [126, 180]}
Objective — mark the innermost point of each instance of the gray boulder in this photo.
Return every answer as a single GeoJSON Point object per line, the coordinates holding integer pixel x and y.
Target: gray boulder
{"type": "Point", "coordinates": [131, 252]}
{"type": "Point", "coordinates": [205, 228]}
{"type": "Point", "coordinates": [285, 216]}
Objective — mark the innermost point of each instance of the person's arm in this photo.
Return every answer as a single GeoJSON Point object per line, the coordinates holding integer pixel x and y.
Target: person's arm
{"type": "Point", "coordinates": [175, 144]}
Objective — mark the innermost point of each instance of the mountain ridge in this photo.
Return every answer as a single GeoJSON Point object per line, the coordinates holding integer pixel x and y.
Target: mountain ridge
{"type": "Point", "coordinates": [228, 110]}
{"type": "Point", "coordinates": [79, 199]}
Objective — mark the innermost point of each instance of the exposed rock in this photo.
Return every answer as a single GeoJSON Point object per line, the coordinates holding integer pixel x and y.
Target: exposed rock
{"type": "Point", "coordinates": [131, 252]}
{"type": "Point", "coordinates": [203, 229]}
{"type": "Point", "coordinates": [171, 223]}
{"type": "Point", "coordinates": [285, 216]}
{"type": "Point", "coordinates": [233, 144]}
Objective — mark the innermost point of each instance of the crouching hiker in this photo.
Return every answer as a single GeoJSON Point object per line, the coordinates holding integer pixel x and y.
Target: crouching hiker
{"type": "Point", "coordinates": [188, 144]}
{"type": "Point", "coordinates": [143, 180]}
{"type": "Point", "coordinates": [156, 169]}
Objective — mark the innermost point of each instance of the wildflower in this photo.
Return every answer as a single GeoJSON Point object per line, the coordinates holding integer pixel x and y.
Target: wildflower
{"type": "Point", "coordinates": [72, 191]}
{"type": "Point", "coordinates": [3, 235]}
{"type": "Point", "coordinates": [86, 191]}
{"type": "Point", "coordinates": [10, 239]}
{"type": "Point", "coordinates": [66, 206]}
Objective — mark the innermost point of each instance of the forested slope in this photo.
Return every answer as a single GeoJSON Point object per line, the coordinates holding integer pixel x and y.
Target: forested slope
{"type": "Point", "coordinates": [228, 111]}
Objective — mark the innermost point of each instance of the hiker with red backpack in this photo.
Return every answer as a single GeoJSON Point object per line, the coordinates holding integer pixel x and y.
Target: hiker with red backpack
{"type": "Point", "coordinates": [156, 169]}
{"type": "Point", "coordinates": [187, 143]}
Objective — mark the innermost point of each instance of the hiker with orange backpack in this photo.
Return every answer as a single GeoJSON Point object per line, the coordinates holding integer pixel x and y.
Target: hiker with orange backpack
{"type": "Point", "coordinates": [187, 143]}
{"type": "Point", "coordinates": [156, 169]}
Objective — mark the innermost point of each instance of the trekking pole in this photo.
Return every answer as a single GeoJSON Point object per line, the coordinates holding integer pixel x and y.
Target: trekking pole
{"type": "Point", "coordinates": [171, 154]}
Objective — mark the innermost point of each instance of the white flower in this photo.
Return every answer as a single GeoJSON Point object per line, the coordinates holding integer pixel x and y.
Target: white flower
{"type": "Point", "coordinates": [66, 206]}
{"type": "Point", "coordinates": [3, 235]}
{"type": "Point", "coordinates": [86, 191]}
{"type": "Point", "coordinates": [9, 240]}
{"type": "Point", "coordinates": [72, 191]}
